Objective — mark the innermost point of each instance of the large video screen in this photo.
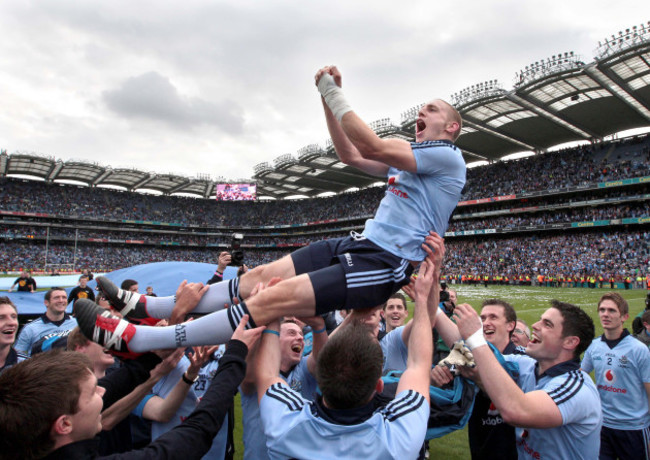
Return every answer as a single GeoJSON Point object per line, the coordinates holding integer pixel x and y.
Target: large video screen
{"type": "Point", "coordinates": [236, 192]}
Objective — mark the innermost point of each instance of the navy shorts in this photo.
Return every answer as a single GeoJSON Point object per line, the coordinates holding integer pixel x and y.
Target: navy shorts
{"type": "Point", "coordinates": [351, 272]}
{"type": "Point", "coordinates": [624, 444]}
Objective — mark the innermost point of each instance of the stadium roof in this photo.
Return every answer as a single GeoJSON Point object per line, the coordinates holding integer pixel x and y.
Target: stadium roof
{"type": "Point", "coordinates": [556, 100]}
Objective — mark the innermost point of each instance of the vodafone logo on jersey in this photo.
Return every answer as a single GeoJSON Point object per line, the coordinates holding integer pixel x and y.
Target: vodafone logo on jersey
{"type": "Point", "coordinates": [609, 375]}
{"type": "Point", "coordinates": [393, 180]}
{"type": "Point", "coordinates": [492, 410]}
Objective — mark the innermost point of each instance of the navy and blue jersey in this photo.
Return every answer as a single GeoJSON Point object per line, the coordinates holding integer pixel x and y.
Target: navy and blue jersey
{"type": "Point", "coordinates": [415, 203]}
{"type": "Point", "coordinates": [39, 328]}
{"type": "Point", "coordinates": [621, 369]}
{"type": "Point", "coordinates": [166, 384]}
{"type": "Point", "coordinates": [300, 380]}
{"type": "Point", "coordinates": [297, 428]}
{"type": "Point", "coordinates": [575, 395]}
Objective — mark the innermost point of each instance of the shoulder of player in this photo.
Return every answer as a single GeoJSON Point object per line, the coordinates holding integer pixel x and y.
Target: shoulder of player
{"type": "Point", "coordinates": [32, 324]}
{"type": "Point", "coordinates": [284, 394]}
{"type": "Point", "coordinates": [404, 403]}
{"type": "Point", "coordinates": [568, 385]}
{"type": "Point", "coordinates": [631, 341]}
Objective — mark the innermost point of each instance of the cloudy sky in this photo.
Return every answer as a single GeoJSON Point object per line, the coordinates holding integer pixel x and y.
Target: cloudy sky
{"type": "Point", "coordinates": [216, 87]}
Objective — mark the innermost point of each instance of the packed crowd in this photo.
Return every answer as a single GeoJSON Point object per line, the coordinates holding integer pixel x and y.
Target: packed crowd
{"type": "Point", "coordinates": [633, 210]}
{"type": "Point", "coordinates": [619, 253]}
{"type": "Point", "coordinates": [541, 172]}
{"type": "Point", "coordinates": [565, 168]}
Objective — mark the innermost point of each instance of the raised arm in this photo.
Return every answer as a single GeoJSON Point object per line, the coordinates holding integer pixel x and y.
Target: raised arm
{"type": "Point", "coordinates": [267, 365]}
{"type": "Point", "coordinates": [163, 409]}
{"type": "Point", "coordinates": [319, 339]}
{"type": "Point", "coordinates": [355, 137]}
{"type": "Point", "coordinates": [420, 344]}
{"type": "Point", "coordinates": [434, 246]}
{"type": "Point", "coordinates": [122, 408]}
{"type": "Point", "coordinates": [535, 409]}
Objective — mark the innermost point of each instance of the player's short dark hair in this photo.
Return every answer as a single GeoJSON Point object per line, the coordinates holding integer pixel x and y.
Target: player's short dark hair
{"type": "Point", "coordinates": [618, 299]}
{"type": "Point", "coordinates": [76, 339]}
{"type": "Point", "coordinates": [400, 296]}
{"type": "Point", "coordinates": [48, 294]}
{"type": "Point", "coordinates": [576, 322]}
{"type": "Point", "coordinates": [33, 394]}
{"type": "Point", "coordinates": [126, 284]}
{"type": "Point", "coordinates": [349, 366]}
{"type": "Point", "coordinates": [4, 300]}
{"type": "Point", "coordinates": [508, 310]}
{"type": "Point", "coordinates": [83, 275]}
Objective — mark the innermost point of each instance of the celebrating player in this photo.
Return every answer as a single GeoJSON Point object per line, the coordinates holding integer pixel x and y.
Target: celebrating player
{"type": "Point", "coordinates": [425, 179]}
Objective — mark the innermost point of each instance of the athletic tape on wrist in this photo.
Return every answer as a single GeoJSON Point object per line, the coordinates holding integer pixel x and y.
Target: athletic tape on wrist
{"type": "Point", "coordinates": [476, 340]}
{"type": "Point", "coordinates": [333, 96]}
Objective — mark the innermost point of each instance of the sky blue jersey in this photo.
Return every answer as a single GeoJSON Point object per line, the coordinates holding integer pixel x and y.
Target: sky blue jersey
{"type": "Point", "coordinates": [297, 428]}
{"type": "Point", "coordinates": [577, 399]}
{"type": "Point", "coordinates": [38, 329]}
{"type": "Point", "coordinates": [415, 203]}
{"type": "Point", "coordinates": [300, 380]}
{"type": "Point", "coordinates": [620, 371]}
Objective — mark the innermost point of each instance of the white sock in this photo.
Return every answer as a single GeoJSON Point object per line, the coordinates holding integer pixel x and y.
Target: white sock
{"type": "Point", "coordinates": [219, 295]}
{"type": "Point", "coordinates": [159, 307]}
{"type": "Point", "coordinates": [213, 329]}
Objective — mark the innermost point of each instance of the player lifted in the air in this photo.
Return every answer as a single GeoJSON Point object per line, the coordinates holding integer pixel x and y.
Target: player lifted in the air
{"type": "Point", "coordinates": [425, 179]}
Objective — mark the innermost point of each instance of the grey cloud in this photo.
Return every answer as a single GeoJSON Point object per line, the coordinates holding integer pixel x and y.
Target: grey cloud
{"type": "Point", "coordinates": [152, 96]}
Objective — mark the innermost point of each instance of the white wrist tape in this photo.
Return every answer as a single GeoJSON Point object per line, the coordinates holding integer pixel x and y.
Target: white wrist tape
{"type": "Point", "coordinates": [333, 96]}
{"type": "Point", "coordinates": [476, 340]}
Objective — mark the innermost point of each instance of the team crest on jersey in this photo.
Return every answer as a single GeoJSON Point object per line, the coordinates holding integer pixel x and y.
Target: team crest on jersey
{"type": "Point", "coordinates": [296, 385]}
{"type": "Point", "coordinates": [492, 410]}
{"type": "Point", "coordinates": [609, 375]}
{"type": "Point", "coordinates": [623, 361]}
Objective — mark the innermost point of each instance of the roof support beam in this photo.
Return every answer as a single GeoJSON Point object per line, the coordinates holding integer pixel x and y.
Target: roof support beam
{"type": "Point", "coordinates": [148, 178]}
{"type": "Point", "coordinates": [99, 179]}
{"type": "Point", "coordinates": [178, 187]}
{"type": "Point", "coordinates": [482, 127]}
{"type": "Point", "coordinates": [620, 90]}
{"type": "Point", "coordinates": [54, 171]}
{"type": "Point", "coordinates": [546, 112]}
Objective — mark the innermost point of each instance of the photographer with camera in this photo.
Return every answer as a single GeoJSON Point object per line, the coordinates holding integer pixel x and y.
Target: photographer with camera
{"type": "Point", "coordinates": [234, 258]}
{"type": "Point", "coordinates": [223, 261]}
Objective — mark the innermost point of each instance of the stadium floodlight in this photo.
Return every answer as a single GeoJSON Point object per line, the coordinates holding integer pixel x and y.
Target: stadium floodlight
{"type": "Point", "coordinates": [631, 37]}
{"type": "Point", "coordinates": [557, 63]}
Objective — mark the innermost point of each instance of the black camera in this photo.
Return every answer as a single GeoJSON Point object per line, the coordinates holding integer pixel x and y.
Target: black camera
{"type": "Point", "coordinates": [236, 254]}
